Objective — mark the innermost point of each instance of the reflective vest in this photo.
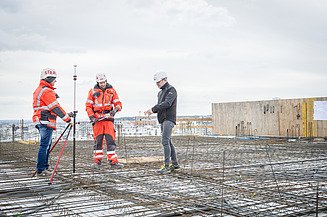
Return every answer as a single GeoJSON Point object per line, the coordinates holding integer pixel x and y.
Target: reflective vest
{"type": "Point", "coordinates": [46, 107]}
{"type": "Point", "coordinates": [100, 102]}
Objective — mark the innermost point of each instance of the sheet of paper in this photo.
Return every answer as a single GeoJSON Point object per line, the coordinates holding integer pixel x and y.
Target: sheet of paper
{"type": "Point", "coordinates": [320, 110]}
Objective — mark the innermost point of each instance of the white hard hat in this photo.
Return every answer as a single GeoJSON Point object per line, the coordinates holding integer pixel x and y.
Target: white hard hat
{"type": "Point", "coordinates": [100, 77]}
{"type": "Point", "coordinates": [48, 73]}
{"type": "Point", "coordinates": [159, 76]}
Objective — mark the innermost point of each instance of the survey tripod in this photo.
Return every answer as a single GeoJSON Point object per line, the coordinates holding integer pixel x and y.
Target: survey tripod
{"type": "Point", "coordinates": [69, 127]}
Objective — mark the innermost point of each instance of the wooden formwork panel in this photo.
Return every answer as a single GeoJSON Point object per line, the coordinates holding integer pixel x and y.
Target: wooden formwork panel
{"type": "Point", "coordinates": [282, 117]}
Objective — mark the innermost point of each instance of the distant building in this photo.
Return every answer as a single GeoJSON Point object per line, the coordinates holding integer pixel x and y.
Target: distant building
{"type": "Point", "coordinates": [193, 125]}
{"type": "Point", "coordinates": [279, 118]}
{"type": "Point", "coordinates": [125, 126]}
{"type": "Point", "coordinates": [149, 126]}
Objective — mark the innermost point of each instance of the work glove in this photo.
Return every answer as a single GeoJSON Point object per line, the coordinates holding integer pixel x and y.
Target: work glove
{"type": "Point", "coordinates": [68, 120]}
{"type": "Point", "coordinates": [113, 112]}
{"type": "Point", "coordinates": [71, 114]}
{"type": "Point", "coordinates": [92, 119]}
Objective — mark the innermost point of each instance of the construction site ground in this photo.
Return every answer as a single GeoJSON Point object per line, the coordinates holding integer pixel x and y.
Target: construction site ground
{"type": "Point", "coordinates": [218, 177]}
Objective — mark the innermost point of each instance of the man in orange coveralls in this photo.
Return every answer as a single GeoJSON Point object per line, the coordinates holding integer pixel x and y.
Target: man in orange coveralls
{"type": "Point", "coordinates": [101, 106]}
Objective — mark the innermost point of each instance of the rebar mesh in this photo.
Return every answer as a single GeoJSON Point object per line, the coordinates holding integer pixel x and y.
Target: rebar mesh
{"type": "Point", "coordinates": [218, 177]}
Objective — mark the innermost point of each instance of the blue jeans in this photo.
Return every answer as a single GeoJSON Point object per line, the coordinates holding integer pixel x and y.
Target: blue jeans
{"type": "Point", "coordinates": [169, 148]}
{"type": "Point", "coordinates": [44, 149]}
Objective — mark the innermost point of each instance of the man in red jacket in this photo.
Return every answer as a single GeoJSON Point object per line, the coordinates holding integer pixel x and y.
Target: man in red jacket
{"type": "Point", "coordinates": [46, 109]}
{"type": "Point", "coordinates": [101, 106]}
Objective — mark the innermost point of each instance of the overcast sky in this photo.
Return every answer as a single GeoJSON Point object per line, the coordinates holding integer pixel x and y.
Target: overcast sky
{"type": "Point", "coordinates": [212, 51]}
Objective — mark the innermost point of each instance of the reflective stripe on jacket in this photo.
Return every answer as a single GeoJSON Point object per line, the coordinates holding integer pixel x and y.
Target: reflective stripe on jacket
{"type": "Point", "coordinates": [46, 107]}
{"type": "Point", "coordinates": [100, 102]}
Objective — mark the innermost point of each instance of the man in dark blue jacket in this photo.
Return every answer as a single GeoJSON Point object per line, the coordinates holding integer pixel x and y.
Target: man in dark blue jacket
{"type": "Point", "coordinates": [166, 114]}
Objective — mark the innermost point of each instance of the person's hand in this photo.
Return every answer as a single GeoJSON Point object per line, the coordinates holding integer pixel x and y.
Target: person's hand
{"type": "Point", "coordinates": [113, 112]}
{"type": "Point", "coordinates": [148, 112]}
{"type": "Point", "coordinates": [71, 114]}
{"type": "Point", "coordinates": [92, 119]}
{"type": "Point", "coordinates": [106, 116]}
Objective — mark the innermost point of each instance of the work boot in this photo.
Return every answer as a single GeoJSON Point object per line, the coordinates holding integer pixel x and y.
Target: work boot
{"type": "Point", "coordinates": [38, 174]}
{"type": "Point", "coordinates": [98, 162]}
{"type": "Point", "coordinates": [117, 165]}
{"type": "Point", "coordinates": [164, 170]}
{"type": "Point", "coordinates": [174, 167]}
{"type": "Point", "coordinates": [48, 170]}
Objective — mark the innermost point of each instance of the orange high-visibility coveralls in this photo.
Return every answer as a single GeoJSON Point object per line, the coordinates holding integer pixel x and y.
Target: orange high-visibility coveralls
{"type": "Point", "coordinates": [99, 103]}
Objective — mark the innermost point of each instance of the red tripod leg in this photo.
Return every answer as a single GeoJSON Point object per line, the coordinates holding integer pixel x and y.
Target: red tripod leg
{"type": "Point", "coordinates": [60, 154]}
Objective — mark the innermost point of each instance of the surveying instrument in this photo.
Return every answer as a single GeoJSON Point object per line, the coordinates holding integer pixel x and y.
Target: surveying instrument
{"type": "Point", "coordinates": [69, 128]}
